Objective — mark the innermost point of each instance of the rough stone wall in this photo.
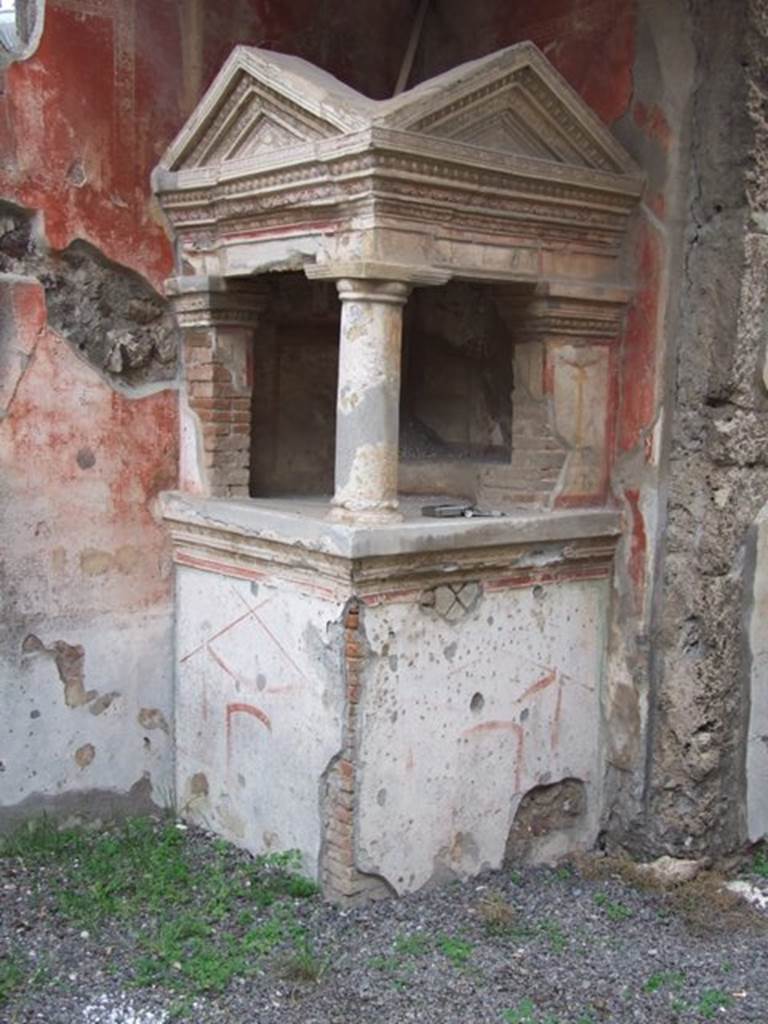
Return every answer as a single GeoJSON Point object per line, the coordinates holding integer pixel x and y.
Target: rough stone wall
{"type": "Point", "coordinates": [718, 457]}
{"type": "Point", "coordinates": [108, 313]}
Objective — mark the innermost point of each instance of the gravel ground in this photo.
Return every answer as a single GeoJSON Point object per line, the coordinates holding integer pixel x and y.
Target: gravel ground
{"type": "Point", "coordinates": [538, 946]}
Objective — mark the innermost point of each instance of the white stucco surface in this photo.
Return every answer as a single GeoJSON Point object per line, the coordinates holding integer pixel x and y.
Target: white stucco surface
{"type": "Point", "coordinates": [258, 709]}
{"type": "Point", "coordinates": [461, 719]}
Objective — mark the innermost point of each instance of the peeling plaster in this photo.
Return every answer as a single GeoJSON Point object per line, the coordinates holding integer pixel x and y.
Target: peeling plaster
{"type": "Point", "coordinates": [70, 664]}
{"type": "Point", "coordinates": [108, 313]}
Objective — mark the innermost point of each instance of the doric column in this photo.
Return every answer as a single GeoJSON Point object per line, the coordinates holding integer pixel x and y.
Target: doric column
{"type": "Point", "coordinates": [218, 321]}
{"type": "Point", "coordinates": [368, 402]}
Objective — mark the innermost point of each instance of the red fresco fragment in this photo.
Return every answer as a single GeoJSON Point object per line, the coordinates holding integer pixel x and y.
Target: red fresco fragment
{"type": "Point", "coordinates": [653, 123]}
{"type": "Point", "coordinates": [29, 313]}
{"type": "Point", "coordinates": [503, 726]}
{"type": "Point", "coordinates": [639, 342]}
{"type": "Point", "coordinates": [638, 543]}
{"type": "Point", "coordinates": [494, 726]}
{"type": "Point", "coordinates": [244, 709]}
{"type": "Point", "coordinates": [61, 412]}
{"type": "Point", "coordinates": [590, 42]}
{"type": "Point", "coordinates": [555, 727]}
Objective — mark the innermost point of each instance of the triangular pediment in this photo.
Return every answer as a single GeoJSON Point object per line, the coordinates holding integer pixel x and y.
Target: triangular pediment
{"type": "Point", "coordinates": [504, 131]}
{"type": "Point", "coordinates": [513, 102]}
{"type": "Point", "coordinates": [262, 102]}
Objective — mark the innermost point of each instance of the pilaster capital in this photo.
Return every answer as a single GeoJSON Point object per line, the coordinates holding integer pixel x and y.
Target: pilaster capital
{"type": "Point", "coordinates": [582, 312]}
{"type": "Point", "coordinates": [206, 301]}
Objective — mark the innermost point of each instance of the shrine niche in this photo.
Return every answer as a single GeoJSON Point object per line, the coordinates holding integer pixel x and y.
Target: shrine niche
{"type": "Point", "coordinates": [386, 302]}
{"type": "Point", "coordinates": [493, 173]}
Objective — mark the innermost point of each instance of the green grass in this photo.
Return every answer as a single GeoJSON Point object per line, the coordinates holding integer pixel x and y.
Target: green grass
{"type": "Point", "coordinates": [202, 924]}
{"type": "Point", "coordinates": [140, 865]}
{"type": "Point", "coordinates": [189, 955]}
{"type": "Point", "coordinates": [760, 863]}
{"type": "Point", "coordinates": [399, 964]}
{"type": "Point", "coordinates": [12, 977]}
{"type": "Point", "coordinates": [303, 964]}
{"type": "Point", "coordinates": [457, 951]}
{"type": "Point", "coordinates": [712, 1001]}
{"type": "Point", "coordinates": [414, 944]}
{"type": "Point", "coordinates": [526, 1012]}
{"type": "Point", "coordinates": [664, 979]}
{"type": "Point", "coordinates": [612, 909]}
{"type": "Point", "coordinates": [555, 936]}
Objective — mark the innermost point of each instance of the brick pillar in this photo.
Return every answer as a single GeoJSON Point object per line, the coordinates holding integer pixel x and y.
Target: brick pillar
{"type": "Point", "coordinates": [218, 319]}
{"type": "Point", "coordinates": [342, 882]}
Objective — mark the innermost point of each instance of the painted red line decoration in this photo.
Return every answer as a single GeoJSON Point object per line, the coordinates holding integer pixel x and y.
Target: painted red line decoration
{"type": "Point", "coordinates": [541, 684]}
{"type": "Point", "coordinates": [504, 725]}
{"type": "Point", "coordinates": [222, 631]}
{"type": "Point", "coordinates": [555, 727]}
{"type": "Point", "coordinates": [275, 640]}
{"type": "Point", "coordinates": [235, 676]}
{"type": "Point", "coordinates": [244, 709]}
{"type": "Point", "coordinates": [219, 568]}
{"type": "Point", "coordinates": [281, 230]}
{"type": "Point", "coordinates": [249, 709]}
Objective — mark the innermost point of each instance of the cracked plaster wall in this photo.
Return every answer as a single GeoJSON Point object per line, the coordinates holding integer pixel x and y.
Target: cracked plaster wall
{"type": "Point", "coordinates": [88, 417]}
{"type": "Point", "coordinates": [85, 625]}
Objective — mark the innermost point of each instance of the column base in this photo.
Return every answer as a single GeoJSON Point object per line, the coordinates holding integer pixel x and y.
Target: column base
{"type": "Point", "coordinates": [365, 516]}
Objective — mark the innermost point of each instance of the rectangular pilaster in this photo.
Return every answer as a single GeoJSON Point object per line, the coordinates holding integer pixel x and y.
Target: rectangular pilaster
{"type": "Point", "coordinates": [218, 318]}
{"type": "Point", "coordinates": [217, 366]}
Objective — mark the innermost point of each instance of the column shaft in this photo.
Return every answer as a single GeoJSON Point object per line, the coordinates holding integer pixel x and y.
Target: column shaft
{"type": "Point", "coordinates": [367, 424]}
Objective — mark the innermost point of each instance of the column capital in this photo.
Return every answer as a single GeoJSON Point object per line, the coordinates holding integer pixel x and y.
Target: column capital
{"type": "Point", "coordinates": [363, 289]}
{"type": "Point", "coordinates": [374, 270]}
{"type": "Point", "coordinates": [206, 301]}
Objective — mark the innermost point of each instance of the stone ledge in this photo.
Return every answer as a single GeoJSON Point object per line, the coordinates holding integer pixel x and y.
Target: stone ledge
{"type": "Point", "coordinates": [292, 540]}
{"type": "Point", "coordinates": [303, 522]}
